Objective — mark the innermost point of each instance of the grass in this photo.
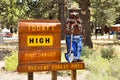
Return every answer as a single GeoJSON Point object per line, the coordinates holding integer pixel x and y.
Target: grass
{"type": "Point", "coordinates": [103, 62]}
{"type": "Point", "coordinates": [11, 62]}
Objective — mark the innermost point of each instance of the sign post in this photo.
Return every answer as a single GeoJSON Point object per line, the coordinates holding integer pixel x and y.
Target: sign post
{"type": "Point", "coordinates": [40, 48]}
{"type": "Point", "coordinates": [30, 76]}
{"type": "Point", "coordinates": [73, 76]}
{"type": "Point", "coordinates": [54, 75]}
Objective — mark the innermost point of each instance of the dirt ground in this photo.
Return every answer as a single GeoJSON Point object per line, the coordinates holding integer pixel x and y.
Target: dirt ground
{"type": "Point", "coordinates": [37, 76]}
{"type": "Point", "coordinates": [4, 75]}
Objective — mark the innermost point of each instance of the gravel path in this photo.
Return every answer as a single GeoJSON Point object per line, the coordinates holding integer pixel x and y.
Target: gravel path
{"type": "Point", "coordinates": [37, 76]}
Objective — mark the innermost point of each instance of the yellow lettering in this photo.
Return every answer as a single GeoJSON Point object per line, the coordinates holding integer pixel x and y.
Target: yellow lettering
{"type": "Point", "coordinates": [29, 56]}
{"type": "Point", "coordinates": [33, 28]}
{"type": "Point", "coordinates": [40, 40]}
{"type": "Point", "coordinates": [30, 68]}
{"type": "Point", "coordinates": [76, 66]}
{"type": "Point", "coordinates": [45, 67]}
{"type": "Point", "coordinates": [35, 68]}
{"type": "Point", "coordinates": [47, 28]}
{"type": "Point", "coordinates": [65, 66]}
{"type": "Point", "coordinates": [40, 68]}
{"type": "Point", "coordinates": [40, 28]}
{"type": "Point", "coordinates": [43, 28]}
{"type": "Point", "coordinates": [55, 67]}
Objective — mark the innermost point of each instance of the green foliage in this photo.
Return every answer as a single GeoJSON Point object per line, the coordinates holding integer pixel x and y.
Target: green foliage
{"type": "Point", "coordinates": [103, 10]}
{"type": "Point", "coordinates": [9, 11]}
{"type": "Point", "coordinates": [107, 52]}
{"type": "Point", "coordinates": [11, 62]}
{"type": "Point", "coordinates": [86, 52]}
{"type": "Point", "coordinates": [14, 10]}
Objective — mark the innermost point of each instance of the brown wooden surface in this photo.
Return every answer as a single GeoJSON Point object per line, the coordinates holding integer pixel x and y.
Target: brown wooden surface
{"type": "Point", "coordinates": [38, 56]}
{"type": "Point", "coordinates": [115, 28]}
{"type": "Point", "coordinates": [30, 76]}
{"type": "Point", "coordinates": [42, 26]}
{"type": "Point", "coordinates": [73, 75]}
{"type": "Point", "coordinates": [36, 52]}
{"type": "Point", "coordinates": [54, 75]}
{"type": "Point", "coordinates": [50, 67]}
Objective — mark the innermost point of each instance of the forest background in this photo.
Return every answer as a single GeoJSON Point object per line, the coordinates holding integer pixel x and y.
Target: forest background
{"type": "Point", "coordinates": [94, 13]}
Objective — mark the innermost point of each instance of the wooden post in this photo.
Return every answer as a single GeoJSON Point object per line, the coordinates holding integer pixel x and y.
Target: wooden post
{"type": "Point", "coordinates": [73, 76]}
{"type": "Point", "coordinates": [54, 75]}
{"type": "Point", "coordinates": [30, 76]}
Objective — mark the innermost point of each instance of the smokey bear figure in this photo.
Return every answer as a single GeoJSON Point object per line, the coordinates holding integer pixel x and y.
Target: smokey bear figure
{"type": "Point", "coordinates": [74, 37]}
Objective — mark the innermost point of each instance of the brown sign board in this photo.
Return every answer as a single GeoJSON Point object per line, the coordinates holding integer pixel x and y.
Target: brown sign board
{"type": "Point", "coordinates": [38, 56]}
{"type": "Point", "coordinates": [50, 67]}
{"type": "Point", "coordinates": [40, 48]}
{"type": "Point", "coordinates": [39, 41]}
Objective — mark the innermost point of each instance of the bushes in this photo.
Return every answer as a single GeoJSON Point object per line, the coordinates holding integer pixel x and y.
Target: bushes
{"type": "Point", "coordinates": [86, 52]}
{"type": "Point", "coordinates": [107, 52]}
{"type": "Point", "coordinates": [96, 64]}
{"type": "Point", "coordinates": [11, 62]}
{"type": "Point", "coordinates": [109, 70]}
{"type": "Point", "coordinates": [102, 63]}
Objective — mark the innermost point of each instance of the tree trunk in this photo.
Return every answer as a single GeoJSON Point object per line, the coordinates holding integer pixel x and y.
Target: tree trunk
{"type": "Point", "coordinates": [85, 16]}
{"type": "Point", "coordinates": [61, 15]}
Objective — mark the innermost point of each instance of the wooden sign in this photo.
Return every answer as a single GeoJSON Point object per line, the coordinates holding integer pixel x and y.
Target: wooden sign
{"type": "Point", "coordinates": [115, 29]}
{"type": "Point", "coordinates": [40, 48]}
{"type": "Point", "coordinates": [51, 67]}
{"type": "Point", "coordinates": [39, 41]}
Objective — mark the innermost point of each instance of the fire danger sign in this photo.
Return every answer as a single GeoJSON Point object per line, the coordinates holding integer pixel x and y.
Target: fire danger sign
{"type": "Point", "coordinates": [39, 40]}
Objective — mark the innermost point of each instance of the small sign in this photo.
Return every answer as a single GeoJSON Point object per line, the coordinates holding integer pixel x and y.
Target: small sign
{"type": "Point", "coordinates": [39, 40]}
{"type": "Point", "coordinates": [39, 56]}
{"type": "Point", "coordinates": [51, 67]}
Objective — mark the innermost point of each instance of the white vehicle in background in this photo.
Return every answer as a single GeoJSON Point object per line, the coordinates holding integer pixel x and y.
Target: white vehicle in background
{"type": "Point", "coordinates": [6, 33]}
{"type": "Point", "coordinates": [9, 35]}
